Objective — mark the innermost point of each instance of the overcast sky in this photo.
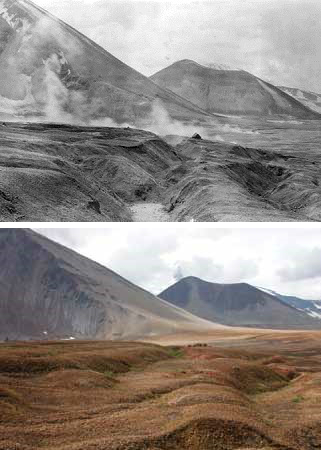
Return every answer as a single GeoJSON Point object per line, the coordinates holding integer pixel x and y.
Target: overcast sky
{"type": "Point", "coordinates": [278, 40]}
{"type": "Point", "coordinates": [285, 260]}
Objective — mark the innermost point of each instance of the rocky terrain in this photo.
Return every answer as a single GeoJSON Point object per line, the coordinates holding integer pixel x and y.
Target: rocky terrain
{"type": "Point", "coordinates": [223, 182]}
{"type": "Point", "coordinates": [240, 392]}
{"type": "Point", "coordinates": [240, 304]}
{"type": "Point", "coordinates": [51, 172]}
{"type": "Point", "coordinates": [227, 91]}
{"type": "Point", "coordinates": [66, 173]}
{"type": "Point", "coordinates": [49, 291]}
{"type": "Point", "coordinates": [50, 71]}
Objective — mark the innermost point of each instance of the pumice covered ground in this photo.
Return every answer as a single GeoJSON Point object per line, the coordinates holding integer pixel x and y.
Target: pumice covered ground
{"type": "Point", "coordinates": [71, 173]}
{"type": "Point", "coordinates": [233, 389]}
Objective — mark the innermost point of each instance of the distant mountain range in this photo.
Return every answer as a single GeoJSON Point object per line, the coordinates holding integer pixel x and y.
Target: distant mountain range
{"type": "Point", "coordinates": [241, 304]}
{"type": "Point", "coordinates": [227, 91]}
{"type": "Point", "coordinates": [50, 292]}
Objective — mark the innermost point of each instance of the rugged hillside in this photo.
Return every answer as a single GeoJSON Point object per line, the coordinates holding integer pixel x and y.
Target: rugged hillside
{"type": "Point", "coordinates": [47, 290]}
{"type": "Point", "coordinates": [60, 173]}
{"type": "Point", "coordinates": [236, 304]}
{"type": "Point", "coordinates": [308, 98]}
{"type": "Point", "coordinates": [50, 70]}
{"type": "Point", "coordinates": [228, 91]}
{"type": "Point", "coordinates": [219, 182]}
{"type": "Point", "coordinates": [68, 173]}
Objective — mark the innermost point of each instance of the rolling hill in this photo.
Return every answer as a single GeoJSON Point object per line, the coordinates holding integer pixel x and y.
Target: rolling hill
{"type": "Point", "coordinates": [227, 91]}
{"type": "Point", "coordinates": [48, 291]}
{"type": "Point", "coordinates": [237, 304]}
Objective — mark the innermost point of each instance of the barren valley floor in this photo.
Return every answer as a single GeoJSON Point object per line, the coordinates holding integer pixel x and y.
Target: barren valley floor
{"type": "Point", "coordinates": [261, 171]}
{"type": "Point", "coordinates": [247, 389]}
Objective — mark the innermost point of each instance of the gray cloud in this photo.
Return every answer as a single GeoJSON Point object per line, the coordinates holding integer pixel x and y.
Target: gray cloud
{"type": "Point", "coordinates": [291, 38]}
{"type": "Point", "coordinates": [69, 237]}
{"type": "Point", "coordinates": [241, 269]}
{"type": "Point", "coordinates": [285, 260]}
{"type": "Point", "coordinates": [178, 274]}
{"type": "Point", "coordinates": [306, 265]}
{"type": "Point", "coordinates": [199, 267]}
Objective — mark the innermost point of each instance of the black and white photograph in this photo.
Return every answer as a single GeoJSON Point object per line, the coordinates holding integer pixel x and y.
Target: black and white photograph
{"type": "Point", "coordinates": [152, 111]}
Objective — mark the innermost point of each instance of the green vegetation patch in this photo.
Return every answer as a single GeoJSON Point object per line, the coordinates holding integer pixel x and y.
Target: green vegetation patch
{"type": "Point", "coordinates": [175, 352]}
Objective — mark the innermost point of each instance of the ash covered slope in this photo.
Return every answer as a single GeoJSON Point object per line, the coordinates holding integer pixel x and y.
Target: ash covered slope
{"type": "Point", "coordinates": [48, 290]}
{"type": "Point", "coordinates": [225, 91]}
{"type": "Point", "coordinates": [84, 174]}
{"type": "Point", "coordinates": [217, 181]}
{"type": "Point", "coordinates": [47, 68]}
{"type": "Point", "coordinates": [236, 304]}
{"type": "Point", "coordinates": [310, 99]}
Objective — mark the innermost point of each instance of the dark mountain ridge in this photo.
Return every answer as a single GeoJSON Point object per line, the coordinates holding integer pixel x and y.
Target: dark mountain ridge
{"type": "Point", "coordinates": [237, 304]}
{"type": "Point", "coordinates": [49, 291]}
{"type": "Point", "coordinates": [232, 92]}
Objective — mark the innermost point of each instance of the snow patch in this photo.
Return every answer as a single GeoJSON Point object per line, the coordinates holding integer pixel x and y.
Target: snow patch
{"type": "Point", "coordinates": [314, 314]}
{"type": "Point", "coordinates": [223, 67]}
{"type": "Point", "coordinates": [267, 291]}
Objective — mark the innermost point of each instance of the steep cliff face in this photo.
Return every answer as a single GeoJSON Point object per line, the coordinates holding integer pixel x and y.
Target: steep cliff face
{"type": "Point", "coordinates": [47, 290]}
{"type": "Point", "coordinates": [226, 91]}
{"type": "Point", "coordinates": [49, 70]}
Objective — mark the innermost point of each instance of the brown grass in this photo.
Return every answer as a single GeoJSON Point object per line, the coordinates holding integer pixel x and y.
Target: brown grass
{"type": "Point", "coordinates": [135, 396]}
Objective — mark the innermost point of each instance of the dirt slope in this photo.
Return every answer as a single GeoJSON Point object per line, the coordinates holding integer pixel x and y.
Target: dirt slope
{"type": "Point", "coordinates": [222, 182]}
{"type": "Point", "coordinates": [228, 91]}
{"type": "Point", "coordinates": [66, 173]}
{"type": "Point", "coordinates": [60, 173]}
